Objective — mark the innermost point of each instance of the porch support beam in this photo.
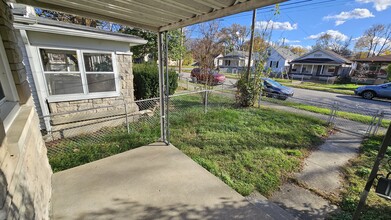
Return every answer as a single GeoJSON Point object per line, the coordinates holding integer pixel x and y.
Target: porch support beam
{"type": "Point", "coordinates": [321, 70]}
{"type": "Point", "coordinates": [161, 88]}
{"type": "Point", "coordinates": [312, 69]}
{"type": "Point", "coordinates": [167, 93]}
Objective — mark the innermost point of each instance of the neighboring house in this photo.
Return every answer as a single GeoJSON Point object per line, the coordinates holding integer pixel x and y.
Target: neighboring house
{"type": "Point", "coordinates": [74, 68]}
{"type": "Point", "coordinates": [234, 61]}
{"type": "Point", "coordinates": [279, 58]}
{"type": "Point", "coordinates": [319, 64]}
{"type": "Point", "coordinates": [217, 60]}
{"type": "Point", "coordinates": [371, 70]}
{"type": "Point", "coordinates": [372, 66]}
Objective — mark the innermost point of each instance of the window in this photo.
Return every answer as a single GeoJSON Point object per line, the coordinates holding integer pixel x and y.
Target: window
{"type": "Point", "coordinates": [331, 69]}
{"type": "Point", "coordinates": [78, 74]}
{"type": "Point", "coordinates": [100, 72]}
{"type": "Point", "coordinates": [61, 69]}
{"type": "Point", "coordinates": [227, 62]}
{"type": "Point", "coordinates": [8, 94]}
{"type": "Point", "coordinates": [273, 64]}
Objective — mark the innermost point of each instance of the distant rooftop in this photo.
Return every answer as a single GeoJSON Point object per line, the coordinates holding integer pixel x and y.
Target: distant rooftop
{"type": "Point", "coordinates": [378, 59]}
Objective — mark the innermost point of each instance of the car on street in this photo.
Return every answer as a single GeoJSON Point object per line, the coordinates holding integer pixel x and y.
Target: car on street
{"type": "Point", "coordinates": [212, 77]}
{"type": "Point", "coordinates": [372, 91]}
{"type": "Point", "coordinates": [274, 89]}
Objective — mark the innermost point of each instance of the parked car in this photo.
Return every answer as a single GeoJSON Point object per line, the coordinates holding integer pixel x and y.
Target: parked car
{"type": "Point", "coordinates": [274, 89]}
{"type": "Point", "coordinates": [372, 91]}
{"type": "Point", "coordinates": [213, 77]}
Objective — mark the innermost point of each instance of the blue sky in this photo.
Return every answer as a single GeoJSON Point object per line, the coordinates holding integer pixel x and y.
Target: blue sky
{"type": "Point", "coordinates": [300, 21]}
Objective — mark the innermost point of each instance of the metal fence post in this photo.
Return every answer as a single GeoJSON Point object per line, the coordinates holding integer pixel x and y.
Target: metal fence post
{"type": "Point", "coordinates": [379, 120]}
{"type": "Point", "coordinates": [260, 99]}
{"type": "Point", "coordinates": [206, 102]}
{"type": "Point", "coordinates": [126, 116]}
{"type": "Point", "coordinates": [333, 113]}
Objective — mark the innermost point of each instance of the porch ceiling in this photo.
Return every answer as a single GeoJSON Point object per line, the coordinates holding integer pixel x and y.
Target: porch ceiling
{"type": "Point", "coordinates": [153, 15]}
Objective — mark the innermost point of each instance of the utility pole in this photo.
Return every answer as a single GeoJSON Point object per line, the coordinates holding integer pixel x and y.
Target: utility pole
{"type": "Point", "coordinates": [181, 55]}
{"type": "Point", "coordinates": [251, 45]}
{"type": "Point", "coordinates": [372, 176]}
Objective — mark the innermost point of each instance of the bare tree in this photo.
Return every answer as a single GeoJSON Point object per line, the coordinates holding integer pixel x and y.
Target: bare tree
{"type": "Point", "coordinates": [334, 43]}
{"type": "Point", "coordinates": [375, 41]}
{"type": "Point", "coordinates": [234, 36]}
{"type": "Point", "coordinates": [207, 46]}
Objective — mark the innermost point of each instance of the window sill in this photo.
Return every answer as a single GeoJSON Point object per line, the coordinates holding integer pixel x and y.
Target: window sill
{"type": "Point", "coordinates": [19, 130]}
{"type": "Point", "coordinates": [8, 113]}
{"type": "Point", "coordinates": [76, 97]}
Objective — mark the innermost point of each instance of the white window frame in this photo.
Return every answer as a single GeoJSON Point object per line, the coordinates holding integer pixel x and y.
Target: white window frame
{"type": "Point", "coordinates": [9, 106]}
{"type": "Point", "coordinates": [83, 73]}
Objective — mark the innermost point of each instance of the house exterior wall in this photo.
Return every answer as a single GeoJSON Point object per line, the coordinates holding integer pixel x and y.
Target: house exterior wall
{"type": "Point", "coordinates": [318, 54]}
{"type": "Point", "coordinates": [25, 174]}
{"type": "Point", "coordinates": [89, 107]}
{"type": "Point", "coordinates": [276, 57]}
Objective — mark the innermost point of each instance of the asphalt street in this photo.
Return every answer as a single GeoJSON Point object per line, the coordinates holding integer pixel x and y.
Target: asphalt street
{"type": "Point", "coordinates": [347, 102]}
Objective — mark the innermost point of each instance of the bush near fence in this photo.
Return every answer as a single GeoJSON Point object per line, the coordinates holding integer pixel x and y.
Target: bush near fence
{"type": "Point", "coordinates": [146, 81]}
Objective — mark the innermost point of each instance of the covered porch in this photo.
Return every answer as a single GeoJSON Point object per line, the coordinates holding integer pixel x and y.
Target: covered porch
{"type": "Point", "coordinates": [156, 181]}
{"type": "Point", "coordinates": [315, 71]}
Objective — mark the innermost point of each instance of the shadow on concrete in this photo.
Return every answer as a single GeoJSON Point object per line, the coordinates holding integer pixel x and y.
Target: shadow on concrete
{"type": "Point", "coordinates": [309, 212]}
{"type": "Point", "coordinates": [128, 209]}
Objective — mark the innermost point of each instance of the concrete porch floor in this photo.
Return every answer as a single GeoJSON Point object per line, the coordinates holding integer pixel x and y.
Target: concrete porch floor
{"type": "Point", "coordinates": [150, 182]}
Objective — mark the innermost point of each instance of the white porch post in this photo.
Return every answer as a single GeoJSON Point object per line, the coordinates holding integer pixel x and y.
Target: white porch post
{"type": "Point", "coordinates": [301, 69]}
{"type": "Point", "coordinates": [312, 69]}
{"type": "Point", "coordinates": [161, 88]}
{"type": "Point", "coordinates": [321, 70]}
{"type": "Point", "coordinates": [167, 141]}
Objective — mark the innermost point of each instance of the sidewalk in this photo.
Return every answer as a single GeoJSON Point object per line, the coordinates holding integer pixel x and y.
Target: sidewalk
{"type": "Point", "coordinates": [321, 176]}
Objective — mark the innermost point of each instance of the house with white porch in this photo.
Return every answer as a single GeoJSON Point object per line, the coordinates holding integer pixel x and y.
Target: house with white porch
{"type": "Point", "coordinates": [319, 64]}
{"type": "Point", "coordinates": [279, 58]}
{"type": "Point", "coordinates": [234, 61]}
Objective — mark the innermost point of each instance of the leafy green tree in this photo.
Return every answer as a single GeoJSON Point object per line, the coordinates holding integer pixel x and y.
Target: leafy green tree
{"type": "Point", "coordinates": [175, 49]}
{"type": "Point", "coordinates": [76, 19]}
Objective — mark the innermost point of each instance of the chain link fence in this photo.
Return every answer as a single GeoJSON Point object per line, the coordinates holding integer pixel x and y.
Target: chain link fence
{"type": "Point", "coordinates": [355, 118]}
{"type": "Point", "coordinates": [118, 126]}
{"type": "Point", "coordinates": [123, 126]}
{"type": "Point", "coordinates": [106, 126]}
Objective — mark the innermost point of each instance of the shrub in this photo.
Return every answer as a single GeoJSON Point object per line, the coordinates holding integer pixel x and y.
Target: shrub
{"type": "Point", "coordinates": [388, 70]}
{"type": "Point", "coordinates": [146, 81]}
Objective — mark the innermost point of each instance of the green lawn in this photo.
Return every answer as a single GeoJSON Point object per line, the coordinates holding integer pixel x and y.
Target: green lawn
{"type": "Point", "coordinates": [347, 89]}
{"type": "Point", "coordinates": [326, 111]}
{"type": "Point", "coordinates": [249, 149]}
{"type": "Point", "coordinates": [356, 176]}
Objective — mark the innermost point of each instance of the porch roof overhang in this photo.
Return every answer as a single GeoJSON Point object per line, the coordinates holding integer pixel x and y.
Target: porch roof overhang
{"type": "Point", "coordinates": [320, 61]}
{"type": "Point", "coordinates": [157, 16]}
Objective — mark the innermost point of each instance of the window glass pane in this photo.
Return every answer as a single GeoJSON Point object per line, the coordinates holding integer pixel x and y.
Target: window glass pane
{"type": "Point", "coordinates": [95, 62]}
{"type": "Point", "coordinates": [101, 82]}
{"type": "Point", "coordinates": [59, 60]}
{"type": "Point", "coordinates": [64, 83]}
{"type": "Point", "coordinates": [2, 96]}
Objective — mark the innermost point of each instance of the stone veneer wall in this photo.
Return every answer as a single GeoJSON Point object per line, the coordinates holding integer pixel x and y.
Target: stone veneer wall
{"type": "Point", "coordinates": [82, 120]}
{"type": "Point", "coordinates": [25, 174]}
